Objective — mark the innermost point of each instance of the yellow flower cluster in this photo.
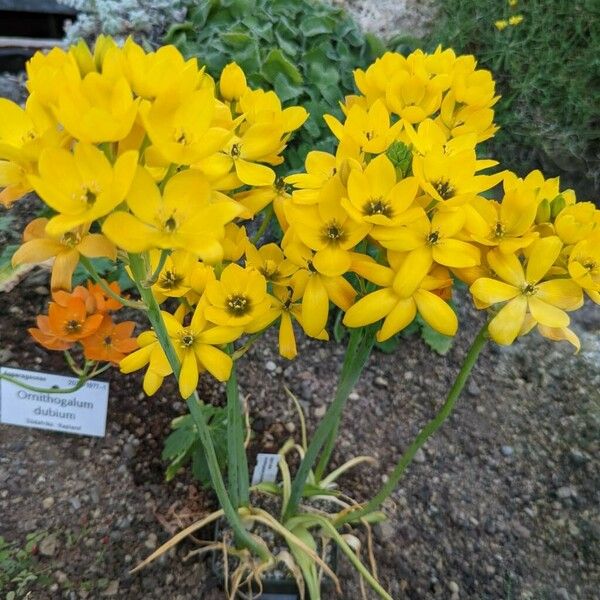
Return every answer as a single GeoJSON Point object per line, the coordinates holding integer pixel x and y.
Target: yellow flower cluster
{"type": "Point", "coordinates": [400, 206]}
{"type": "Point", "coordinates": [143, 154]}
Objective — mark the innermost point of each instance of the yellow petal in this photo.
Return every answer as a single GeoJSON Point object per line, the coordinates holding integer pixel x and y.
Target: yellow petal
{"type": "Point", "coordinates": [412, 271]}
{"type": "Point", "coordinates": [62, 270]}
{"type": "Point", "coordinates": [287, 339]}
{"type": "Point", "coordinates": [36, 251]}
{"type": "Point", "coordinates": [491, 291]}
{"type": "Point", "coordinates": [215, 361]}
{"type": "Point", "coordinates": [506, 325]}
{"type": "Point", "coordinates": [152, 381]}
{"type": "Point", "coordinates": [332, 261]}
{"type": "Point", "coordinates": [129, 233]}
{"type": "Point", "coordinates": [561, 334]}
{"type": "Point", "coordinates": [507, 266]}
{"type": "Point", "coordinates": [315, 306]}
{"type": "Point", "coordinates": [546, 314]}
{"type": "Point", "coordinates": [563, 293]}
{"type": "Point", "coordinates": [455, 253]}
{"type": "Point", "coordinates": [543, 255]}
{"type": "Point", "coordinates": [399, 317]}
{"type": "Point", "coordinates": [371, 308]}
{"type": "Point", "coordinates": [136, 360]}
{"type": "Point", "coordinates": [436, 312]}
{"type": "Point", "coordinates": [254, 173]}
{"type": "Point", "coordinates": [188, 376]}
{"type": "Point", "coordinates": [96, 245]}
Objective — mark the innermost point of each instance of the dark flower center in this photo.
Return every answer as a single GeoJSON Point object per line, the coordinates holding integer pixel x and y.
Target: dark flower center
{"type": "Point", "coordinates": [238, 305]}
{"type": "Point", "coordinates": [73, 326]}
{"type": "Point", "coordinates": [444, 188]}
{"type": "Point", "coordinates": [377, 206]}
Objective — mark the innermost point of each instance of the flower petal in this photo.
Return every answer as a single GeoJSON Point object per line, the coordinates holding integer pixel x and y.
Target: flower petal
{"type": "Point", "coordinates": [436, 312]}
{"type": "Point", "coordinates": [546, 314]}
{"type": "Point", "coordinates": [491, 291]}
{"type": "Point", "coordinates": [543, 255]}
{"type": "Point", "coordinates": [506, 325]}
{"type": "Point", "coordinates": [399, 317]}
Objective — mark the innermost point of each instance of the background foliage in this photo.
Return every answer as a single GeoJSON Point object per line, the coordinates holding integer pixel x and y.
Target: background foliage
{"type": "Point", "coordinates": [304, 50]}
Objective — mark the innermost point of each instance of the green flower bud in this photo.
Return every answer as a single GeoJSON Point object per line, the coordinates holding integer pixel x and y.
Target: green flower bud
{"type": "Point", "coordinates": [401, 156]}
{"type": "Point", "coordinates": [543, 212]}
{"type": "Point", "coordinates": [557, 205]}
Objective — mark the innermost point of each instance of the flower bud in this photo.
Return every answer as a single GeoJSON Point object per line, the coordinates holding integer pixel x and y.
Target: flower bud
{"type": "Point", "coordinates": [401, 157]}
{"type": "Point", "coordinates": [557, 205]}
{"type": "Point", "coordinates": [543, 212]}
{"type": "Point", "coordinates": [233, 82]}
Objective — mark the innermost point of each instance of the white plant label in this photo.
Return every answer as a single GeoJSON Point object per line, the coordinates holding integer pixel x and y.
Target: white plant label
{"type": "Point", "coordinates": [82, 412]}
{"type": "Point", "coordinates": [267, 466]}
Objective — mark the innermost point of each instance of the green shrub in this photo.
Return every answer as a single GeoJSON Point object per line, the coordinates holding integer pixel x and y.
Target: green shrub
{"type": "Point", "coordinates": [305, 50]}
{"type": "Point", "coordinates": [548, 73]}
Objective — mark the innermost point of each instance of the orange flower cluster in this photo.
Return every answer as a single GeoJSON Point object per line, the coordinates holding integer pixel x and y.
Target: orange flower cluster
{"type": "Point", "coordinates": [82, 316]}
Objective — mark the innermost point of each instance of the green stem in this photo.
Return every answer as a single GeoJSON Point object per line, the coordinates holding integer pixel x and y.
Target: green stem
{"type": "Point", "coordinates": [237, 464]}
{"type": "Point", "coordinates": [194, 403]}
{"type": "Point", "coordinates": [425, 433]}
{"type": "Point", "coordinates": [161, 263]}
{"type": "Point", "coordinates": [357, 355]}
{"type": "Point", "coordinates": [170, 172]}
{"type": "Point", "coordinates": [359, 348]}
{"type": "Point", "coordinates": [89, 267]}
{"type": "Point", "coordinates": [268, 215]}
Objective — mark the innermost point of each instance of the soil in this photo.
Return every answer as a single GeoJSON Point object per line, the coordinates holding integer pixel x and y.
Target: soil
{"type": "Point", "coordinates": [502, 503]}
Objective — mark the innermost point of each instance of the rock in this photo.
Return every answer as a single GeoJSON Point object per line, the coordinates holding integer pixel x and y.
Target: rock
{"type": "Point", "coordinates": [387, 531]}
{"type": "Point", "coordinates": [41, 290]}
{"type": "Point", "coordinates": [112, 589]}
{"type": "Point", "coordinates": [270, 366]}
{"type": "Point", "coordinates": [507, 451]}
{"type": "Point", "coordinates": [353, 396]}
{"type": "Point", "coordinates": [61, 577]}
{"type": "Point", "coordinates": [151, 542]}
{"type": "Point", "coordinates": [48, 502]}
{"type": "Point", "coordinates": [453, 587]}
{"type": "Point", "coordinates": [521, 530]}
{"type": "Point", "coordinates": [381, 382]}
{"type": "Point", "coordinates": [566, 492]}
{"type": "Point", "coordinates": [129, 451]}
{"type": "Point", "coordinates": [473, 389]}
{"type": "Point", "coordinates": [420, 456]}
{"type": "Point", "coordinates": [49, 545]}
{"type": "Point", "coordinates": [75, 502]}
{"type": "Point", "coordinates": [290, 427]}
{"type": "Point", "coordinates": [320, 411]}
{"type": "Point", "coordinates": [576, 455]}
{"type": "Point", "coordinates": [562, 594]}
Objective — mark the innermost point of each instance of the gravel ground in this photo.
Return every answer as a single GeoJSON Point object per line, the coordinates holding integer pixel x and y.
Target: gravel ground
{"type": "Point", "coordinates": [502, 503]}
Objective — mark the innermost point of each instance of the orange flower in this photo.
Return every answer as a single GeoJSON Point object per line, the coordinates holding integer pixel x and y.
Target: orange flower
{"type": "Point", "coordinates": [111, 342]}
{"type": "Point", "coordinates": [65, 324]}
{"type": "Point", "coordinates": [94, 297]}
{"type": "Point", "coordinates": [39, 246]}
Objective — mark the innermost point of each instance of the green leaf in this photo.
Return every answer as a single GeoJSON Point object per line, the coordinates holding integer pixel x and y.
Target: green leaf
{"type": "Point", "coordinates": [276, 63]}
{"type": "Point", "coordinates": [286, 90]}
{"type": "Point", "coordinates": [389, 346]}
{"type": "Point", "coordinates": [312, 26]}
{"type": "Point", "coordinates": [179, 441]}
{"type": "Point", "coordinates": [339, 330]}
{"type": "Point", "coordinates": [438, 342]}
{"type": "Point", "coordinates": [236, 38]}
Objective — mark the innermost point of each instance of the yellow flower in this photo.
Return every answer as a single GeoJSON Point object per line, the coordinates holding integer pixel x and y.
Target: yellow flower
{"type": "Point", "coordinates": [374, 197]}
{"type": "Point", "coordinates": [180, 125]}
{"type": "Point", "coordinates": [238, 299]}
{"type": "Point", "coordinates": [257, 198]}
{"type": "Point", "coordinates": [44, 70]}
{"type": "Point", "coordinates": [270, 262]}
{"type": "Point", "coordinates": [575, 223]}
{"type": "Point", "coordinates": [232, 84]}
{"type": "Point", "coordinates": [501, 25]}
{"type": "Point", "coordinates": [584, 265]}
{"type": "Point", "coordinates": [369, 129]}
{"type": "Point", "coordinates": [182, 275]}
{"type": "Point", "coordinates": [515, 20]}
{"type": "Point", "coordinates": [524, 291]}
{"type": "Point", "coordinates": [195, 347]}
{"type": "Point", "coordinates": [150, 353]}
{"type": "Point", "coordinates": [38, 246]}
{"type": "Point", "coordinates": [82, 186]}
{"type": "Point", "coordinates": [235, 242]}
{"type": "Point", "coordinates": [508, 224]}
{"type": "Point", "coordinates": [24, 133]}
{"type": "Point", "coordinates": [452, 177]}
{"type": "Point", "coordinates": [152, 74]}
{"type": "Point", "coordinates": [316, 290]}
{"type": "Point", "coordinates": [405, 293]}
{"type": "Point", "coordinates": [97, 108]}
{"type": "Point", "coordinates": [327, 229]}
{"type": "Point", "coordinates": [184, 217]}
{"type": "Point", "coordinates": [437, 241]}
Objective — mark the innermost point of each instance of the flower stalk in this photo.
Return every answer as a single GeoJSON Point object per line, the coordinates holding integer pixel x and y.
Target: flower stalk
{"type": "Point", "coordinates": [425, 433]}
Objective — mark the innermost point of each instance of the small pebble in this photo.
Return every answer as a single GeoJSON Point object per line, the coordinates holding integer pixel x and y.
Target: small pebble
{"type": "Point", "coordinates": [381, 382]}
{"type": "Point", "coordinates": [565, 492]}
{"type": "Point", "coordinates": [320, 411]}
{"type": "Point", "coordinates": [151, 542]}
{"type": "Point", "coordinates": [270, 366]}
{"type": "Point", "coordinates": [453, 587]}
{"type": "Point", "coordinates": [507, 451]}
{"type": "Point", "coordinates": [420, 456]}
{"type": "Point", "coordinates": [353, 396]}
{"type": "Point", "coordinates": [48, 502]}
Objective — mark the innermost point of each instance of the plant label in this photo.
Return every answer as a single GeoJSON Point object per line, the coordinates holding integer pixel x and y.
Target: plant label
{"type": "Point", "coordinates": [82, 412]}
{"type": "Point", "coordinates": [267, 466]}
